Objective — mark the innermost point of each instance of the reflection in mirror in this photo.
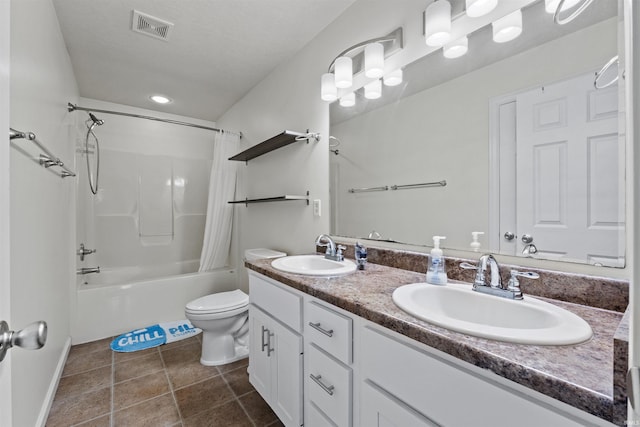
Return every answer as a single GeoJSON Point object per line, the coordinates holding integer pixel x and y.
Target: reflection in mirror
{"type": "Point", "coordinates": [558, 178]}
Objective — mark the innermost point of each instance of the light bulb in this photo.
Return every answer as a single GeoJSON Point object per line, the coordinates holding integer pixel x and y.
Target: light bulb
{"type": "Point", "coordinates": [374, 60]}
{"type": "Point", "coordinates": [394, 78]}
{"type": "Point", "coordinates": [476, 8]}
{"type": "Point", "coordinates": [437, 23]}
{"type": "Point", "coordinates": [456, 48]}
{"type": "Point", "coordinates": [373, 90]}
{"type": "Point", "coordinates": [328, 90]}
{"type": "Point", "coordinates": [550, 6]}
{"type": "Point", "coordinates": [160, 99]}
{"type": "Point", "coordinates": [349, 100]}
{"type": "Point", "coordinates": [344, 72]}
{"type": "Point", "coordinates": [508, 27]}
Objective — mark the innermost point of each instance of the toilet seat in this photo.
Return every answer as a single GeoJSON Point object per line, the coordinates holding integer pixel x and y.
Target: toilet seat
{"type": "Point", "coordinates": [218, 303]}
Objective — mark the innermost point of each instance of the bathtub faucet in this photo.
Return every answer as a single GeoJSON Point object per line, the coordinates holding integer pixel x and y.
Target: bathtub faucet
{"type": "Point", "coordinates": [88, 270]}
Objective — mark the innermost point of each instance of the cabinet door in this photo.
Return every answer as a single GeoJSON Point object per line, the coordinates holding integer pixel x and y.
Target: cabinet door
{"type": "Point", "coordinates": [259, 362]}
{"type": "Point", "coordinates": [380, 409]}
{"type": "Point", "coordinates": [286, 374]}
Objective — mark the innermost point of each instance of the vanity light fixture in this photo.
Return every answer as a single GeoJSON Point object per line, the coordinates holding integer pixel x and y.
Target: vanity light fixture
{"type": "Point", "coordinates": [344, 72]}
{"type": "Point", "coordinates": [437, 23]}
{"type": "Point", "coordinates": [550, 6]}
{"type": "Point", "coordinates": [348, 100]}
{"type": "Point", "coordinates": [373, 90]}
{"type": "Point", "coordinates": [394, 78]}
{"type": "Point", "coordinates": [456, 48]}
{"type": "Point", "coordinates": [508, 27]}
{"type": "Point", "coordinates": [328, 89]}
{"type": "Point", "coordinates": [374, 60]}
{"type": "Point", "coordinates": [367, 56]}
{"type": "Point", "coordinates": [477, 8]}
{"type": "Point", "coordinates": [160, 99]}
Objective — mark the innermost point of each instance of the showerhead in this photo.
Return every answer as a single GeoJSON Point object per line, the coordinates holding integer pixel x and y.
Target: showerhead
{"type": "Point", "coordinates": [96, 120]}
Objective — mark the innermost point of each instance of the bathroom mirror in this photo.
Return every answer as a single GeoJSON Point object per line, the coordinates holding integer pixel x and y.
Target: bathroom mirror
{"type": "Point", "coordinates": [459, 125]}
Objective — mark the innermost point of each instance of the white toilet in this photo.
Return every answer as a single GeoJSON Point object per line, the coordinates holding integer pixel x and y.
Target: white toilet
{"type": "Point", "coordinates": [224, 320]}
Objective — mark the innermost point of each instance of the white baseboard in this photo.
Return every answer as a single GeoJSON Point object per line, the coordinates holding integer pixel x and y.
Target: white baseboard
{"type": "Point", "coordinates": [53, 387]}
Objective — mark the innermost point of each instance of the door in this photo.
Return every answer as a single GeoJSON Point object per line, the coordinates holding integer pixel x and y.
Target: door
{"type": "Point", "coordinates": [569, 170]}
{"type": "Point", "coordinates": [5, 292]}
{"type": "Point", "coordinates": [286, 374]}
{"type": "Point", "coordinates": [259, 363]}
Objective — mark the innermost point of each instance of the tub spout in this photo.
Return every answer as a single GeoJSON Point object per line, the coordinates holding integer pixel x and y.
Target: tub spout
{"type": "Point", "coordinates": [88, 270]}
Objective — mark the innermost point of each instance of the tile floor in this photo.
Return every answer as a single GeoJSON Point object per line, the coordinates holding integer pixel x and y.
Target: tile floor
{"type": "Point", "coordinates": [162, 386]}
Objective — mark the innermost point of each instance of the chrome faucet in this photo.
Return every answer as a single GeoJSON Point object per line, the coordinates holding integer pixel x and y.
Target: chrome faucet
{"type": "Point", "coordinates": [82, 252]}
{"type": "Point", "coordinates": [88, 270]}
{"type": "Point", "coordinates": [333, 252]}
{"type": "Point", "coordinates": [495, 285]}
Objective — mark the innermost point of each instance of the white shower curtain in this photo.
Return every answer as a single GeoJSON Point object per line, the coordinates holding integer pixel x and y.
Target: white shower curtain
{"type": "Point", "coordinates": [222, 187]}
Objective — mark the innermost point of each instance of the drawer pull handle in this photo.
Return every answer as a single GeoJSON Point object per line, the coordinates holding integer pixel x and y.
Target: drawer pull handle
{"type": "Point", "coordinates": [264, 344]}
{"type": "Point", "coordinates": [317, 327]}
{"type": "Point", "coordinates": [317, 380]}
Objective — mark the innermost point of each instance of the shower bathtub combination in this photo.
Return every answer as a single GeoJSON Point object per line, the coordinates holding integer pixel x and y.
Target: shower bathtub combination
{"type": "Point", "coordinates": [140, 232]}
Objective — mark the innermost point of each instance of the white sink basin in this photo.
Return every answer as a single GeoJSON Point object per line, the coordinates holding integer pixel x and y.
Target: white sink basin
{"type": "Point", "coordinates": [313, 265]}
{"type": "Point", "coordinates": [459, 308]}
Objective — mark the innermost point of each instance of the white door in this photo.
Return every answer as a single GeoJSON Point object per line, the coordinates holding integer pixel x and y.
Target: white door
{"type": "Point", "coordinates": [259, 363]}
{"type": "Point", "coordinates": [5, 366]}
{"type": "Point", "coordinates": [568, 150]}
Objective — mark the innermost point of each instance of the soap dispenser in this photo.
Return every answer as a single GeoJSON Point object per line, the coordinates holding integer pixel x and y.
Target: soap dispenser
{"type": "Point", "coordinates": [475, 244]}
{"type": "Point", "coordinates": [436, 274]}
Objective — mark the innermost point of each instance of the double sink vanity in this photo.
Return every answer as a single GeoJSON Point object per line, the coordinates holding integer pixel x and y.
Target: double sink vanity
{"type": "Point", "coordinates": [335, 346]}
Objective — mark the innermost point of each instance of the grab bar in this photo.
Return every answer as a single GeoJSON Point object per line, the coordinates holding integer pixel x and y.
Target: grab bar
{"type": "Point", "coordinates": [442, 183]}
{"type": "Point", "coordinates": [365, 190]}
{"type": "Point", "coordinates": [48, 159]}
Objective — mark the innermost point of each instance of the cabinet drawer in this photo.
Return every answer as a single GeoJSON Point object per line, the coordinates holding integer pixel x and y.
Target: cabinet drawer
{"type": "Point", "coordinates": [330, 330]}
{"type": "Point", "coordinates": [315, 417]}
{"type": "Point", "coordinates": [275, 299]}
{"type": "Point", "coordinates": [449, 393]}
{"type": "Point", "coordinates": [380, 409]}
{"type": "Point", "coordinates": [328, 384]}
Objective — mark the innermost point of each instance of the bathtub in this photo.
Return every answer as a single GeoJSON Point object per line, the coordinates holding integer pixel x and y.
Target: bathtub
{"type": "Point", "coordinates": [121, 299]}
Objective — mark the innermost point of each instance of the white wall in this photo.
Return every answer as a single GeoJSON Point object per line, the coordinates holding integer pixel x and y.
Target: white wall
{"type": "Point", "coordinates": [152, 189]}
{"type": "Point", "coordinates": [289, 98]}
{"type": "Point", "coordinates": [42, 204]}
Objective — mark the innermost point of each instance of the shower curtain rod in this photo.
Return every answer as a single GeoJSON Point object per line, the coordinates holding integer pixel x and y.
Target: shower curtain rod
{"type": "Point", "coordinates": [72, 107]}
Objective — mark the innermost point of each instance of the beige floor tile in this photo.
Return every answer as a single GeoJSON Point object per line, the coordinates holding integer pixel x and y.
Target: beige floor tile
{"type": "Point", "coordinates": [124, 357]}
{"type": "Point", "coordinates": [73, 385]}
{"type": "Point", "coordinates": [138, 367]}
{"type": "Point", "coordinates": [82, 362]}
{"type": "Point", "coordinates": [184, 367]}
{"type": "Point", "coordinates": [202, 396]}
{"type": "Point", "coordinates": [258, 410]}
{"type": "Point", "coordinates": [81, 408]}
{"type": "Point", "coordinates": [134, 391]}
{"type": "Point", "coordinates": [229, 414]}
{"type": "Point", "coordinates": [104, 421]}
{"type": "Point", "coordinates": [238, 380]}
{"type": "Point", "coordinates": [234, 365]}
{"type": "Point", "coordinates": [158, 412]}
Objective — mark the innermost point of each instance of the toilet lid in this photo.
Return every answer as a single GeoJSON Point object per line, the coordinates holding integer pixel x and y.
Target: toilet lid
{"type": "Point", "coordinates": [221, 301]}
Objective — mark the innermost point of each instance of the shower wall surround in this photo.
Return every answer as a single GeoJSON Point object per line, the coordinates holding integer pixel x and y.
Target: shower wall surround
{"type": "Point", "coordinates": [152, 198]}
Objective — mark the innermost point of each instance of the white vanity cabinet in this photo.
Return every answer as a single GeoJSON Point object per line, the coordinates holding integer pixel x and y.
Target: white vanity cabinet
{"type": "Point", "coordinates": [275, 347]}
{"type": "Point", "coordinates": [328, 336]}
{"type": "Point", "coordinates": [358, 373]}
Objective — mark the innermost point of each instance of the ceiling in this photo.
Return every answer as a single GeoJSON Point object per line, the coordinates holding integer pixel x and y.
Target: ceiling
{"type": "Point", "coordinates": [216, 51]}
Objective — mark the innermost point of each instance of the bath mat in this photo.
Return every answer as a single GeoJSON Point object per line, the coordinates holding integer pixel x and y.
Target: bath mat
{"type": "Point", "coordinates": [154, 336]}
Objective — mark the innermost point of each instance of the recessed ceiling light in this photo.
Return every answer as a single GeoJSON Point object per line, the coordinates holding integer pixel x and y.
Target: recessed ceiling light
{"type": "Point", "coordinates": [160, 99]}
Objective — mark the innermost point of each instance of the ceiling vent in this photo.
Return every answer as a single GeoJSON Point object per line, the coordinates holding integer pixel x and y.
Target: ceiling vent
{"type": "Point", "coordinates": [151, 26]}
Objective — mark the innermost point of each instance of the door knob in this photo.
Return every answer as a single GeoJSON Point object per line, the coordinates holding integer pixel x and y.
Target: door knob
{"type": "Point", "coordinates": [527, 238]}
{"type": "Point", "coordinates": [33, 337]}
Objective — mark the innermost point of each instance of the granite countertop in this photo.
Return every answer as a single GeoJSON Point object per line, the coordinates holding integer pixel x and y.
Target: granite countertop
{"type": "Point", "coordinates": [580, 375]}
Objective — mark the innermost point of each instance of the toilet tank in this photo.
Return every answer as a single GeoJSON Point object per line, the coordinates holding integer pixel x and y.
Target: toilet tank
{"type": "Point", "coordinates": [262, 253]}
